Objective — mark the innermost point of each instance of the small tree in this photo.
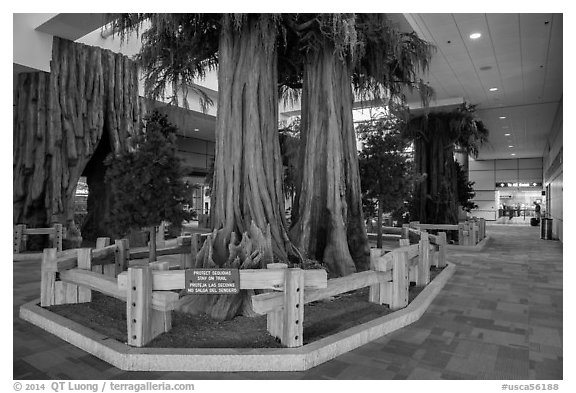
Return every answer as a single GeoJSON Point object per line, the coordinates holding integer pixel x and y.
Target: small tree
{"type": "Point", "coordinates": [465, 189]}
{"type": "Point", "coordinates": [385, 167]}
{"type": "Point", "coordinates": [289, 146]}
{"type": "Point", "coordinates": [146, 182]}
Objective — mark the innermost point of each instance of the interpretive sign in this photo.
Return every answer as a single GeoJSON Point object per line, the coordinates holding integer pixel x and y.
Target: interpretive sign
{"type": "Point", "coordinates": [212, 281]}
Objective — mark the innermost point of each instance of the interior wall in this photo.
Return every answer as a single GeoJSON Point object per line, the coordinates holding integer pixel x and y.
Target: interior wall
{"type": "Point", "coordinates": [553, 175]}
{"type": "Point", "coordinates": [32, 49]}
{"type": "Point", "coordinates": [486, 173]}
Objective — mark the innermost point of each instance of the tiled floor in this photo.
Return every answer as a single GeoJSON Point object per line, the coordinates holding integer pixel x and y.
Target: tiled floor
{"type": "Point", "coordinates": [499, 317]}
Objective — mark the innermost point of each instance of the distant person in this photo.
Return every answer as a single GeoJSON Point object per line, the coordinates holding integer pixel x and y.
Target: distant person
{"type": "Point", "coordinates": [537, 210]}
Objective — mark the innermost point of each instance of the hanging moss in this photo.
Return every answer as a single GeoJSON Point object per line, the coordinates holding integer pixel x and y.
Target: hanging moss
{"type": "Point", "coordinates": [435, 136]}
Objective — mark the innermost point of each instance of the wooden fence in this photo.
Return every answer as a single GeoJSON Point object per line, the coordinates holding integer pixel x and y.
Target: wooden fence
{"type": "Point", "coordinates": [470, 232]}
{"type": "Point", "coordinates": [388, 279]}
{"type": "Point", "coordinates": [21, 233]}
{"type": "Point", "coordinates": [147, 288]}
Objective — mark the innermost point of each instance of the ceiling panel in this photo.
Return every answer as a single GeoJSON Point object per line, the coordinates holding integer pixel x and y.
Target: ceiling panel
{"type": "Point", "coordinates": [509, 56]}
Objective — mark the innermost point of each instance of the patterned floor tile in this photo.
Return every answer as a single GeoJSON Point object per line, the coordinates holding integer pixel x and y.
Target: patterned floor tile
{"type": "Point", "coordinates": [499, 317]}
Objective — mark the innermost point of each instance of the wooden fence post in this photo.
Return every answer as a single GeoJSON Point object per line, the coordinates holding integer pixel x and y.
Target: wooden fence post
{"type": "Point", "coordinates": [186, 258]}
{"type": "Point", "coordinates": [194, 248]}
{"type": "Point", "coordinates": [48, 276]}
{"type": "Point", "coordinates": [414, 224]}
{"type": "Point", "coordinates": [379, 293]}
{"type": "Point", "coordinates": [423, 267]}
{"type": "Point", "coordinates": [293, 308]}
{"type": "Point", "coordinates": [139, 305]}
{"type": "Point", "coordinates": [110, 269]}
{"type": "Point", "coordinates": [122, 255]}
{"type": "Point", "coordinates": [275, 319]}
{"type": "Point", "coordinates": [475, 234]}
{"type": "Point", "coordinates": [404, 242]}
{"type": "Point", "coordinates": [85, 263]}
{"type": "Point", "coordinates": [442, 249]}
{"type": "Point", "coordinates": [460, 234]}
{"type": "Point", "coordinates": [160, 321]}
{"type": "Point", "coordinates": [400, 283]}
{"type": "Point", "coordinates": [405, 231]}
{"type": "Point", "coordinates": [434, 255]}
{"type": "Point", "coordinates": [66, 293]}
{"type": "Point", "coordinates": [58, 237]}
{"type": "Point", "coordinates": [102, 242]}
{"type": "Point", "coordinates": [18, 232]}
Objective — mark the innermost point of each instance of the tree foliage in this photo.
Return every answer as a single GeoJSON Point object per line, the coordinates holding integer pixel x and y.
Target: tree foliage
{"type": "Point", "coordinates": [146, 181]}
{"type": "Point", "coordinates": [289, 146]}
{"type": "Point", "coordinates": [360, 50]}
{"type": "Point", "coordinates": [465, 189]}
{"type": "Point", "coordinates": [460, 127]}
{"type": "Point", "coordinates": [339, 53]}
{"type": "Point", "coordinates": [386, 171]}
{"type": "Point", "coordinates": [178, 49]}
{"type": "Point", "coordinates": [385, 63]}
{"type": "Point", "coordinates": [435, 136]}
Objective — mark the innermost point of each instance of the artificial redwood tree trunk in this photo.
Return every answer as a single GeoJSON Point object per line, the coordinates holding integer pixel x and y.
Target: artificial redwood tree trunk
{"type": "Point", "coordinates": [328, 223]}
{"type": "Point", "coordinates": [436, 198]}
{"type": "Point", "coordinates": [247, 200]}
{"type": "Point", "coordinates": [59, 120]}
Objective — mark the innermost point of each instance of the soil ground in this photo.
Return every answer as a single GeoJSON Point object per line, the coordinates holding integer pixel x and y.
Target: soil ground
{"type": "Point", "coordinates": [323, 318]}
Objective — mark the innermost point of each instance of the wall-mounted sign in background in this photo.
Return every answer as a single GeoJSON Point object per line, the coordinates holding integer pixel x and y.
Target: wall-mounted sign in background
{"type": "Point", "coordinates": [525, 184]}
{"type": "Point", "coordinates": [212, 281]}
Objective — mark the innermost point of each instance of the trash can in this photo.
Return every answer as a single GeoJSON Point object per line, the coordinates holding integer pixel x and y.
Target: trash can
{"type": "Point", "coordinates": [546, 229]}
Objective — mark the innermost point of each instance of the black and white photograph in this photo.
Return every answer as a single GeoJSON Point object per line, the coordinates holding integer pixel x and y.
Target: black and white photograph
{"type": "Point", "coordinates": [264, 196]}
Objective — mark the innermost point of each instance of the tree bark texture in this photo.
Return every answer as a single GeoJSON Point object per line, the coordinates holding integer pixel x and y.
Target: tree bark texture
{"type": "Point", "coordinates": [247, 213]}
{"type": "Point", "coordinates": [328, 224]}
{"type": "Point", "coordinates": [248, 164]}
{"type": "Point", "coordinates": [251, 250]}
{"type": "Point", "coordinates": [436, 198]}
{"type": "Point", "coordinates": [59, 121]}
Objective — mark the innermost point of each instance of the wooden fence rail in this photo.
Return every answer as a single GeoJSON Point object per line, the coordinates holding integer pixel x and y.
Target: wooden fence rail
{"type": "Point", "coordinates": [470, 232]}
{"type": "Point", "coordinates": [147, 288]}
{"type": "Point", "coordinates": [21, 233]}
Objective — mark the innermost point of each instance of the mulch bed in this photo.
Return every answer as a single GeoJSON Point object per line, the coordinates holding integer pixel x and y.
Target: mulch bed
{"type": "Point", "coordinates": [323, 318]}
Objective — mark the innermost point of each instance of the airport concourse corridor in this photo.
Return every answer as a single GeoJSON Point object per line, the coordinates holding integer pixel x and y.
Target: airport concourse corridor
{"type": "Point", "coordinates": [499, 317]}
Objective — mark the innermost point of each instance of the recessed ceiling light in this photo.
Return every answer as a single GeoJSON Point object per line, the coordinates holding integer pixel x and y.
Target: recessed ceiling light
{"type": "Point", "coordinates": [502, 117]}
{"type": "Point", "coordinates": [475, 36]}
{"type": "Point", "coordinates": [196, 129]}
{"type": "Point", "coordinates": [506, 134]}
{"type": "Point", "coordinates": [493, 89]}
{"type": "Point", "coordinates": [513, 154]}
{"type": "Point", "coordinates": [510, 146]}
